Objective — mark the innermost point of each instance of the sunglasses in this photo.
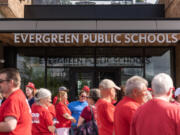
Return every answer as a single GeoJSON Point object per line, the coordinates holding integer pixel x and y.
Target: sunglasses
{"type": "Point", "coordinates": [1, 81]}
{"type": "Point", "coordinates": [83, 96]}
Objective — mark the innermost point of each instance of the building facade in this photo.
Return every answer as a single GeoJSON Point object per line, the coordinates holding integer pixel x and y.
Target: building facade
{"type": "Point", "coordinates": [76, 45]}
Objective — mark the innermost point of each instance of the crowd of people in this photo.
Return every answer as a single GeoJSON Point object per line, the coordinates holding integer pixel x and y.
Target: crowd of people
{"type": "Point", "coordinates": [138, 111]}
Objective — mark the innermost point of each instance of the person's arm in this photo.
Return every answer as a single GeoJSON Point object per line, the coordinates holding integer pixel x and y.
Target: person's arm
{"type": "Point", "coordinates": [8, 125]}
{"type": "Point", "coordinates": [69, 117]}
{"type": "Point", "coordinates": [80, 121]}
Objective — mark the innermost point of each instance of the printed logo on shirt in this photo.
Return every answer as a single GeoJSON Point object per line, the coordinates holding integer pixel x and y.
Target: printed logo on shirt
{"type": "Point", "coordinates": [35, 118]}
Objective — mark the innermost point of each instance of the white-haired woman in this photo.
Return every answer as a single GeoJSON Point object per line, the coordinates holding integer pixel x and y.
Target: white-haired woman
{"type": "Point", "coordinates": [41, 117]}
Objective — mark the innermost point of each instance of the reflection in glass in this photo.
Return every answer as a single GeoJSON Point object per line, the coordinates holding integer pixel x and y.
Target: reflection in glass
{"type": "Point", "coordinates": [119, 61]}
{"type": "Point", "coordinates": [126, 73]}
{"type": "Point", "coordinates": [57, 77]}
{"type": "Point", "coordinates": [31, 70]}
{"type": "Point", "coordinates": [71, 62]}
{"type": "Point", "coordinates": [91, 2]}
{"type": "Point", "coordinates": [84, 78]}
{"type": "Point", "coordinates": [158, 64]}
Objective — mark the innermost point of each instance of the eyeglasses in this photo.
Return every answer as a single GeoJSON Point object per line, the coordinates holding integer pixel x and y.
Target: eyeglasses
{"type": "Point", "coordinates": [83, 96]}
{"type": "Point", "coordinates": [1, 81]}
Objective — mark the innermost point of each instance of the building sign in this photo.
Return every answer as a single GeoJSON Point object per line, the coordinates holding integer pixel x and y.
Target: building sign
{"type": "Point", "coordinates": [88, 39]}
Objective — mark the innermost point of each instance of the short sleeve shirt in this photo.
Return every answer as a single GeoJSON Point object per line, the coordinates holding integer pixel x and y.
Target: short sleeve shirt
{"type": "Point", "coordinates": [105, 117]}
{"type": "Point", "coordinates": [123, 115]}
{"type": "Point", "coordinates": [76, 108]}
{"type": "Point", "coordinates": [41, 119]}
{"type": "Point", "coordinates": [156, 117]}
{"type": "Point", "coordinates": [16, 105]}
{"type": "Point", "coordinates": [52, 110]}
{"type": "Point", "coordinates": [86, 113]}
{"type": "Point", "coordinates": [60, 110]}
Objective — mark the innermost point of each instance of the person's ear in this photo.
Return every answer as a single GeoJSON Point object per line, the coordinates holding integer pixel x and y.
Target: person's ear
{"type": "Point", "coordinates": [11, 82]}
{"type": "Point", "coordinates": [170, 92]}
{"type": "Point", "coordinates": [134, 93]}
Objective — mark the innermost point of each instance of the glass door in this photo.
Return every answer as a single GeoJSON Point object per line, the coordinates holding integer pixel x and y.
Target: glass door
{"type": "Point", "coordinates": [78, 78]}
{"type": "Point", "coordinates": [108, 73]}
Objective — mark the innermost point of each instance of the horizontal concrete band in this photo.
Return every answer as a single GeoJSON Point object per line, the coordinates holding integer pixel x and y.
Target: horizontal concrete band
{"type": "Point", "coordinates": [93, 25]}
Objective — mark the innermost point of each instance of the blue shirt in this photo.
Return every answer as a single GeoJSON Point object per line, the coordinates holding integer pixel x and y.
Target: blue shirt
{"type": "Point", "coordinates": [76, 108]}
{"type": "Point", "coordinates": [31, 101]}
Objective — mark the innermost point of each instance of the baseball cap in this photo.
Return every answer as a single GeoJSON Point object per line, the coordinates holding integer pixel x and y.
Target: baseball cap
{"type": "Point", "coordinates": [107, 84]}
{"type": "Point", "coordinates": [86, 88]}
{"type": "Point", "coordinates": [63, 88]}
{"type": "Point", "coordinates": [31, 85]}
{"type": "Point", "coordinates": [177, 92]}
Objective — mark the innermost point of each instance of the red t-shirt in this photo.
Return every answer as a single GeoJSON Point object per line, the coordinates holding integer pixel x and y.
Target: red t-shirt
{"type": "Point", "coordinates": [41, 119]}
{"type": "Point", "coordinates": [52, 110]}
{"type": "Point", "coordinates": [60, 110]}
{"type": "Point", "coordinates": [55, 99]}
{"type": "Point", "coordinates": [16, 105]}
{"type": "Point", "coordinates": [105, 117]}
{"type": "Point", "coordinates": [86, 113]}
{"type": "Point", "coordinates": [124, 112]}
{"type": "Point", "coordinates": [156, 117]}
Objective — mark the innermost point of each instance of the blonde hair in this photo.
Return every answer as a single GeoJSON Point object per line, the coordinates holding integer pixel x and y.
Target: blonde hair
{"type": "Point", "coordinates": [60, 95]}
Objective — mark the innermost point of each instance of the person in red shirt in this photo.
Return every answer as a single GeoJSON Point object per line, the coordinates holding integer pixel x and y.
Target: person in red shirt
{"type": "Point", "coordinates": [15, 113]}
{"type": "Point", "coordinates": [63, 114]}
{"type": "Point", "coordinates": [86, 114]}
{"type": "Point", "coordinates": [62, 88]}
{"type": "Point", "coordinates": [52, 110]}
{"type": "Point", "coordinates": [135, 95]}
{"type": "Point", "coordinates": [158, 116]}
{"type": "Point", "coordinates": [30, 92]}
{"type": "Point", "coordinates": [104, 107]}
{"type": "Point", "coordinates": [41, 117]}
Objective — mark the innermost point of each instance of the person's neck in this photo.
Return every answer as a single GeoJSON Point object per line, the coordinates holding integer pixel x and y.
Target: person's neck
{"type": "Point", "coordinates": [63, 101]}
{"type": "Point", "coordinates": [108, 99]}
{"type": "Point", "coordinates": [30, 97]}
{"type": "Point", "coordinates": [41, 104]}
{"type": "Point", "coordinates": [164, 98]}
{"type": "Point", "coordinates": [11, 91]}
{"type": "Point", "coordinates": [135, 99]}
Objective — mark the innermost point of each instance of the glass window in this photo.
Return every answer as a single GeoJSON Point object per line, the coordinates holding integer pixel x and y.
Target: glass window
{"type": "Point", "coordinates": [119, 56]}
{"type": "Point", "coordinates": [91, 2]}
{"type": "Point", "coordinates": [126, 73]}
{"type": "Point", "coordinates": [84, 78]}
{"type": "Point", "coordinates": [119, 61]}
{"type": "Point", "coordinates": [32, 69]}
{"type": "Point", "coordinates": [57, 77]}
{"type": "Point", "coordinates": [70, 62]}
{"type": "Point", "coordinates": [157, 60]}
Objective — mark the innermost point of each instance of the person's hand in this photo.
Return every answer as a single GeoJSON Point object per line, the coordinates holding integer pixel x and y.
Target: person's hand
{"type": "Point", "coordinates": [73, 120]}
{"type": "Point", "coordinates": [52, 129]}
